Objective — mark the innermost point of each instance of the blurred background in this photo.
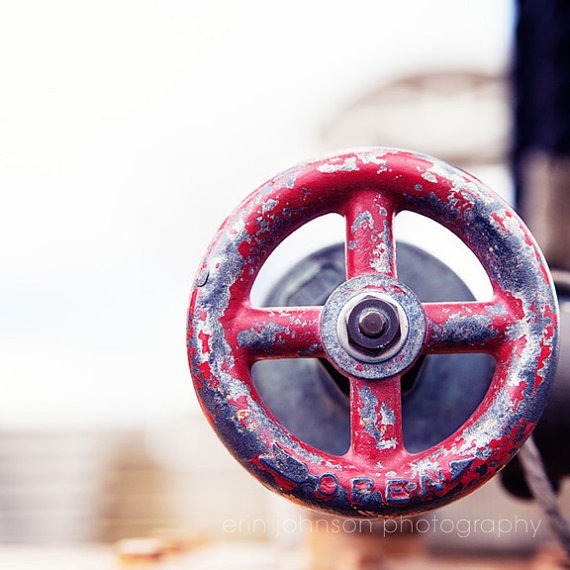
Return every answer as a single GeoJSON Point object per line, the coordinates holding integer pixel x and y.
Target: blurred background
{"type": "Point", "coordinates": [128, 131]}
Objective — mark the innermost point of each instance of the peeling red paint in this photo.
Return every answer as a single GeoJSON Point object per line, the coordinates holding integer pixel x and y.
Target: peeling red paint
{"type": "Point", "coordinates": [377, 476]}
{"type": "Point", "coordinates": [204, 338]}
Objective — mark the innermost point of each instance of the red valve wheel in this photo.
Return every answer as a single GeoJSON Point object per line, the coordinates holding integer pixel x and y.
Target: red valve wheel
{"type": "Point", "coordinates": [372, 329]}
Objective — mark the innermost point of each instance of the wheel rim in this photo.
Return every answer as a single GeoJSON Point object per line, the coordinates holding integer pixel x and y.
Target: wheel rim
{"type": "Point", "coordinates": [377, 476]}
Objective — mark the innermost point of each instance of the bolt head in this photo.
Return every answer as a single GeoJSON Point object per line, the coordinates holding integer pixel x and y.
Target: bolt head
{"type": "Point", "coordinates": [373, 325]}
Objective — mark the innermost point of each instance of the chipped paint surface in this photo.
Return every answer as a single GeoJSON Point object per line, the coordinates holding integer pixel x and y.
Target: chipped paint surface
{"type": "Point", "coordinates": [373, 423]}
{"type": "Point", "coordinates": [362, 219]}
{"type": "Point", "coordinates": [377, 476]}
{"type": "Point", "coordinates": [347, 165]}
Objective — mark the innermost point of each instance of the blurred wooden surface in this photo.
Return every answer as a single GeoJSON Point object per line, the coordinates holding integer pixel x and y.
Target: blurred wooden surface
{"type": "Point", "coordinates": [253, 556]}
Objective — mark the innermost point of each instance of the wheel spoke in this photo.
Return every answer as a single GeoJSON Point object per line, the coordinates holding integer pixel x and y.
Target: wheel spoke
{"type": "Point", "coordinates": [280, 332]}
{"type": "Point", "coordinates": [376, 418]}
{"type": "Point", "coordinates": [369, 240]}
{"type": "Point", "coordinates": [466, 327]}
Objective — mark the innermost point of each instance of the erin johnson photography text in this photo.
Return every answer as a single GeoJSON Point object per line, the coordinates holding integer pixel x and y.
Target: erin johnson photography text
{"type": "Point", "coordinates": [462, 528]}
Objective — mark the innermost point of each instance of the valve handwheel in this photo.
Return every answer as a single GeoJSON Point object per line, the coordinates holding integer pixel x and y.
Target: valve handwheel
{"type": "Point", "coordinates": [372, 329]}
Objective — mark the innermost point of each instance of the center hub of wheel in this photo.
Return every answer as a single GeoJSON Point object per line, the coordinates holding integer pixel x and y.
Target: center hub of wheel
{"type": "Point", "coordinates": [372, 327]}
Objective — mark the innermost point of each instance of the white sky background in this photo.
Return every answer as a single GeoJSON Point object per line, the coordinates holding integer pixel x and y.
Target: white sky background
{"type": "Point", "coordinates": [130, 129]}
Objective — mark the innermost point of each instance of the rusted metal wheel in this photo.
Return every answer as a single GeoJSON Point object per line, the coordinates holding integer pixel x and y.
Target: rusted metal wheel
{"type": "Point", "coordinates": [372, 329]}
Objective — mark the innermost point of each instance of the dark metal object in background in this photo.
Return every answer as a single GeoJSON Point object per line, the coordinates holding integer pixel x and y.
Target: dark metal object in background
{"type": "Point", "coordinates": [541, 152]}
{"type": "Point", "coordinates": [438, 394]}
